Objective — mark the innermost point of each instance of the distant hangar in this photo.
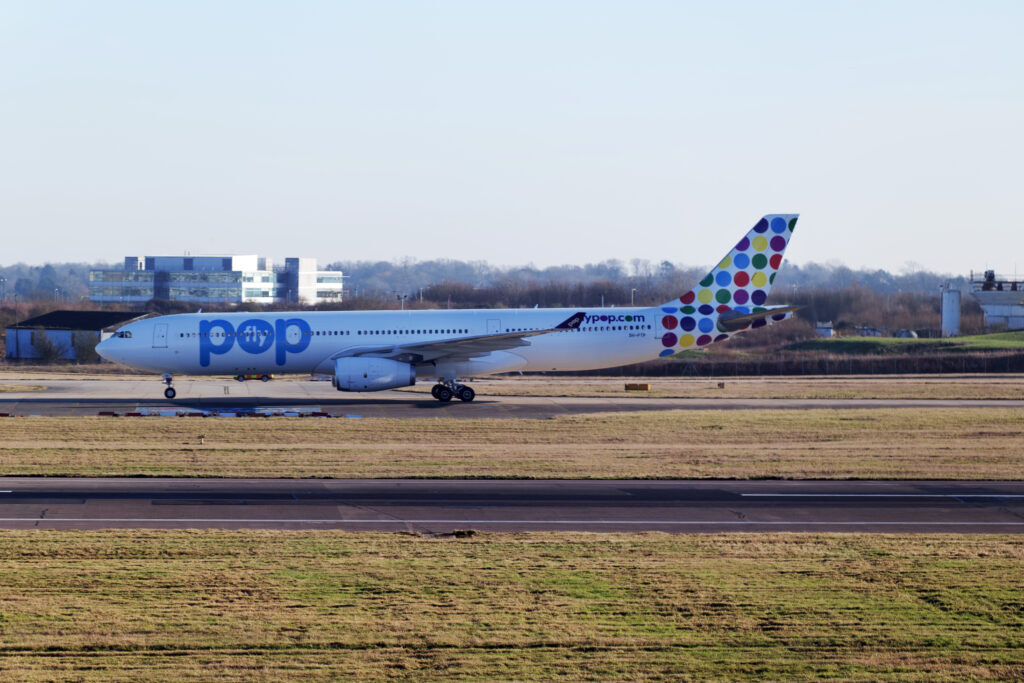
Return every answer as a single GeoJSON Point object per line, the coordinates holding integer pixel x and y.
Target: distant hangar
{"type": "Point", "coordinates": [63, 335]}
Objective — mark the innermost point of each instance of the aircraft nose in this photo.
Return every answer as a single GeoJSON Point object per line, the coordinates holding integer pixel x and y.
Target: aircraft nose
{"type": "Point", "coordinates": [106, 350]}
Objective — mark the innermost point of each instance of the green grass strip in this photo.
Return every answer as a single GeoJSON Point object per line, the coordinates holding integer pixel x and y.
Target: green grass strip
{"type": "Point", "coordinates": [266, 605]}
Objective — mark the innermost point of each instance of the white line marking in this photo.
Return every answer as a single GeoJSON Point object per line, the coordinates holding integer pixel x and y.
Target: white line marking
{"type": "Point", "coordinates": [882, 495]}
{"type": "Point", "coordinates": [6, 491]}
{"type": "Point", "coordinates": [160, 520]}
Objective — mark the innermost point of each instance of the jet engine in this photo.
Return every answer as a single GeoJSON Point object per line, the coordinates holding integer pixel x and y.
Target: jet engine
{"type": "Point", "coordinates": [372, 374]}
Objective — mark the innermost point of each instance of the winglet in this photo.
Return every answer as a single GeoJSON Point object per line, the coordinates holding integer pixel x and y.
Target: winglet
{"type": "Point", "coordinates": [572, 322]}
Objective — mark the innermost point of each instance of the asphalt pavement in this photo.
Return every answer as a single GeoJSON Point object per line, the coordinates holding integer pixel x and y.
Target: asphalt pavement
{"type": "Point", "coordinates": [443, 506]}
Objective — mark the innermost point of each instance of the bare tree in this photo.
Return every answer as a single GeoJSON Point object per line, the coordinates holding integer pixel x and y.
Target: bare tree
{"type": "Point", "coordinates": [83, 343]}
{"type": "Point", "coordinates": [47, 350]}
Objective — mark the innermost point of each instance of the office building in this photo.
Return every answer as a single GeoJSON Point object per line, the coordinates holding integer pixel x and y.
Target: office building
{"type": "Point", "coordinates": [216, 279]}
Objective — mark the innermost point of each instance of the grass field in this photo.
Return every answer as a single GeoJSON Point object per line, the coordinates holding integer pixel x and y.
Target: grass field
{"type": "Point", "coordinates": [1000, 341]}
{"type": "Point", "coordinates": [276, 605]}
{"type": "Point", "coordinates": [188, 605]}
{"type": "Point", "coordinates": [816, 444]}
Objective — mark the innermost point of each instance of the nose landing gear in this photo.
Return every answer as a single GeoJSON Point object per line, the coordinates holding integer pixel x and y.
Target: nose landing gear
{"type": "Point", "coordinates": [169, 392]}
{"type": "Point", "coordinates": [447, 390]}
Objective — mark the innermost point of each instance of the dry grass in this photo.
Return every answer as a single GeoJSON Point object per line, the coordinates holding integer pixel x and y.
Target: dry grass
{"type": "Point", "coordinates": [69, 371]}
{"type": "Point", "coordinates": [266, 605]}
{"type": "Point", "coordinates": [18, 388]}
{"type": "Point", "coordinates": [817, 444]}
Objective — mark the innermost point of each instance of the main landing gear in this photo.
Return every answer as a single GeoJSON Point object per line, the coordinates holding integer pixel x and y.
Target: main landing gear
{"type": "Point", "coordinates": [446, 391]}
{"type": "Point", "coordinates": [169, 392]}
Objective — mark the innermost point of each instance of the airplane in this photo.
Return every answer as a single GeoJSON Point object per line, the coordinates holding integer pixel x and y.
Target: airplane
{"type": "Point", "coordinates": [378, 350]}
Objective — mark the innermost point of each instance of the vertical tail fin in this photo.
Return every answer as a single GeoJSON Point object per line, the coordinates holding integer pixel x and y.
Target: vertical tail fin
{"type": "Point", "coordinates": [739, 283]}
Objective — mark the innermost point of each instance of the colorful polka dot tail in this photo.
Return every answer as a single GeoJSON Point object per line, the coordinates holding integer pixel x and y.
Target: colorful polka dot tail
{"type": "Point", "coordinates": [731, 298]}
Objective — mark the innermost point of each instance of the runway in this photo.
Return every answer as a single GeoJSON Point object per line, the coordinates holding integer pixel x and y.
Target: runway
{"type": "Point", "coordinates": [66, 397]}
{"type": "Point", "coordinates": [443, 506]}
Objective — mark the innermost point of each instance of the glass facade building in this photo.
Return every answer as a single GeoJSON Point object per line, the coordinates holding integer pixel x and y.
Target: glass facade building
{"type": "Point", "coordinates": [216, 279]}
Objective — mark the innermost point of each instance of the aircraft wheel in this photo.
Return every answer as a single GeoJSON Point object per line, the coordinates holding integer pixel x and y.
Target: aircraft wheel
{"type": "Point", "coordinates": [169, 392]}
{"type": "Point", "coordinates": [433, 390]}
{"type": "Point", "coordinates": [264, 378]}
{"type": "Point", "coordinates": [240, 378]}
{"type": "Point", "coordinates": [466, 394]}
{"type": "Point", "coordinates": [444, 394]}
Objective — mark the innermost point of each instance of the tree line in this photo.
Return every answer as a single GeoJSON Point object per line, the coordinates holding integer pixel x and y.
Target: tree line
{"type": "Point", "coordinates": [640, 279]}
{"type": "Point", "coordinates": [654, 280]}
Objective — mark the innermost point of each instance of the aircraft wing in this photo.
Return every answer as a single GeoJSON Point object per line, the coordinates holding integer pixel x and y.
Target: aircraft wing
{"type": "Point", "coordinates": [457, 348]}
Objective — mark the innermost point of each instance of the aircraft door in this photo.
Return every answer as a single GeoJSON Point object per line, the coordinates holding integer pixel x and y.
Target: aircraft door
{"type": "Point", "coordinates": [160, 336]}
{"type": "Point", "coordinates": [493, 326]}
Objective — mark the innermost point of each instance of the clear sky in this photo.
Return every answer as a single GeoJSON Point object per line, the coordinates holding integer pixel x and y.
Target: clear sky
{"type": "Point", "coordinates": [513, 132]}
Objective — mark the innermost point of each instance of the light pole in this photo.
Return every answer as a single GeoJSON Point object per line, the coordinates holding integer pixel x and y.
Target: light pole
{"type": "Point", "coordinates": [402, 298]}
{"type": "Point", "coordinates": [3, 289]}
{"type": "Point", "coordinates": [631, 293]}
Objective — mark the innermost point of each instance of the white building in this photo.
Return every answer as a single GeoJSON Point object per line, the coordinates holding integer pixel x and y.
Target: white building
{"type": "Point", "coordinates": [216, 279]}
{"type": "Point", "coordinates": [1001, 298]}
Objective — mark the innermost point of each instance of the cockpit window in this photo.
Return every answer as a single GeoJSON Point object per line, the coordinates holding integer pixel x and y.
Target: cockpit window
{"type": "Point", "coordinates": [124, 334]}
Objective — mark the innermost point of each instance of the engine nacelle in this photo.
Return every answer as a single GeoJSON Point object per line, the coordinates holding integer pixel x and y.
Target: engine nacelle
{"type": "Point", "coordinates": [372, 374]}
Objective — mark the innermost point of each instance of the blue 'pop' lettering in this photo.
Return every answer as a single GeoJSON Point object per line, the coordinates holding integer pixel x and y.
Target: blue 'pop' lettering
{"type": "Point", "coordinates": [207, 335]}
{"type": "Point", "coordinates": [284, 346]}
{"type": "Point", "coordinates": [217, 337]}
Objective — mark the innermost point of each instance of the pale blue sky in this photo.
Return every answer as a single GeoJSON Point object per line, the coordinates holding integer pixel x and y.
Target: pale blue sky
{"type": "Point", "coordinates": [544, 132]}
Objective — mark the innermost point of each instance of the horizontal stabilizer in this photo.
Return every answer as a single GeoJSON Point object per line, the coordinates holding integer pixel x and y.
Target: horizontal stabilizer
{"type": "Point", "coordinates": [731, 321]}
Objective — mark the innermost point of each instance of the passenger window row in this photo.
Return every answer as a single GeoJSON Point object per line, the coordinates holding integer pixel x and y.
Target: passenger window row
{"type": "Point", "coordinates": [445, 331]}
{"type": "Point", "coordinates": [328, 333]}
{"type": "Point", "coordinates": [222, 334]}
{"type": "Point", "coordinates": [315, 333]}
{"type": "Point", "coordinates": [606, 328]}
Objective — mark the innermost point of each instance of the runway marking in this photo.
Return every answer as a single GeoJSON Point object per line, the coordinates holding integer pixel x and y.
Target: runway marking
{"type": "Point", "coordinates": [882, 495]}
{"type": "Point", "coordinates": [242, 520]}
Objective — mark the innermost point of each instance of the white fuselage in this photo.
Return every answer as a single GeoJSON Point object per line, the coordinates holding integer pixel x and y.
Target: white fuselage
{"type": "Point", "coordinates": [307, 341]}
